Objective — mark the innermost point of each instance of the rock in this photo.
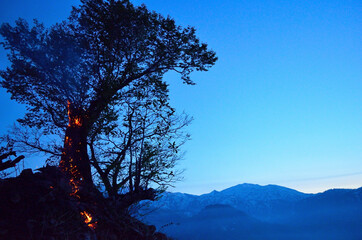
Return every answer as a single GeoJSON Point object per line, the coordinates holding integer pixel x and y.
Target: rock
{"type": "Point", "coordinates": [160, 236]}
{"type": "Point", "coordinates": [39, 206]}
{"type": "Point", "coordinates": [15, 197]}
{"type": "Point", "coordinates": [26, 173]}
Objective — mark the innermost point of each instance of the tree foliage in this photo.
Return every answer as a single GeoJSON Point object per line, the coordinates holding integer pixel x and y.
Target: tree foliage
{"type": "Point", "coordinates": [106, 62]}
{"type": "Point", "coordinates": [88, 59]}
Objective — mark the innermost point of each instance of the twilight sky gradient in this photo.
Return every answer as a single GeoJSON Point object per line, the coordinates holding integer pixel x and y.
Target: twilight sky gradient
{"type": "Point", "coordinates": [283, 104]}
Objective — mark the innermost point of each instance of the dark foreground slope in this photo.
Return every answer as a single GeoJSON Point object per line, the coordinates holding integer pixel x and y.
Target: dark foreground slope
{"type": "Point", "coordinates": [40, 206]}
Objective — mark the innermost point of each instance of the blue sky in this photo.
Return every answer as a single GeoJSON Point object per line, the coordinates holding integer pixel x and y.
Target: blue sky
{"type": "Point", "coordinates": [282, 105]}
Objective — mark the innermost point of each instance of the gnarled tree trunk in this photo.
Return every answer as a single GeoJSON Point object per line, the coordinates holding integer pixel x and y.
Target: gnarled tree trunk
{"type": "Point", "coordinates": [75, 161]}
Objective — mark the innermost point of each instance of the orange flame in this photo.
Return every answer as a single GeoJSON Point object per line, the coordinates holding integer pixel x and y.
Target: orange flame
{"type": "Point", "coordinates": [75, 188]}
{"type": "Point", "coordinates": [68, 110]}
{"type": "Point", "coordinates": [88, 219]}
{"type": "Point", "coordinates": [75, 121]}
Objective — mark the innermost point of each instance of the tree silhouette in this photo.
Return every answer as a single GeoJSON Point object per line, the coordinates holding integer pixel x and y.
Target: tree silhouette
{"type": "Point", "coordinates": [144, 147]}
{"type": "Point", "coordinates": [5, 158]}
{"type": "Point", "coordinates": [72, 75]}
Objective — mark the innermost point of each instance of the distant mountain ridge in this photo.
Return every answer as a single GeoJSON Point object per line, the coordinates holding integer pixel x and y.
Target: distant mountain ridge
{"type": "Point", "coordinates": [250, 211]}
{"type": "Point", "coordinates": [255, 200]}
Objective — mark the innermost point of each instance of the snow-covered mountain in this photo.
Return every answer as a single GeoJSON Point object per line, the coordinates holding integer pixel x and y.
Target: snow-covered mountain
{"type": "Point", "coordinates": [255, 200]}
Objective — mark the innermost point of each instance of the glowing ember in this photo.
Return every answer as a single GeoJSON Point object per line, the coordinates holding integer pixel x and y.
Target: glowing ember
{"type": "Point", "coordinates": [88, 219]}
{"type": "Point", "coordinates": [75, 188]}
{"type": "Point", "coordinates": [77, 122]}
{"type": "Point", "coordinates": [68, 112]}
{"type": "Point", "coordinates": [74, 121]}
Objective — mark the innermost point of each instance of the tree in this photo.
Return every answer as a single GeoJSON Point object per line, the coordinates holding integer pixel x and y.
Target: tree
{"type": "Point", "coordinates": [145, 146]}
{"type": "Point", "coordinates": [72, 75]}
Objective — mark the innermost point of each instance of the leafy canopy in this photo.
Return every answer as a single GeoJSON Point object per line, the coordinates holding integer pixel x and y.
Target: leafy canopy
{"type": "Point", "coordinates": [102, 48]}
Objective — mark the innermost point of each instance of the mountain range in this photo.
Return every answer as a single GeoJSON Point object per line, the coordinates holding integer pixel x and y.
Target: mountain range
{"type": "Point", "coordinates": [250, 211]}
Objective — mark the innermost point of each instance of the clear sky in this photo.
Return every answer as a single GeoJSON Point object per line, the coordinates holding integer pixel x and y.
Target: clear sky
{"type": "Point", "coordinates": [283, 104]}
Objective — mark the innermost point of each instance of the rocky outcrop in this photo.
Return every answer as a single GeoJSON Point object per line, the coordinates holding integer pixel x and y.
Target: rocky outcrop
{"type": "Point", "coordinates": [40, 206]}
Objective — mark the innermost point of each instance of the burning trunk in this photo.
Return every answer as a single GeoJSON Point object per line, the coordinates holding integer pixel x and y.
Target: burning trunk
{"type": "Point", "coordinates": [75, 161]}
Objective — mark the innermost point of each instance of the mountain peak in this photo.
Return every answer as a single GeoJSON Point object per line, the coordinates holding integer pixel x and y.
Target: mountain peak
{"type": "Point", "coordinates": [270, 189]}
{"type": "Point", "coordinates": [244, 197]}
